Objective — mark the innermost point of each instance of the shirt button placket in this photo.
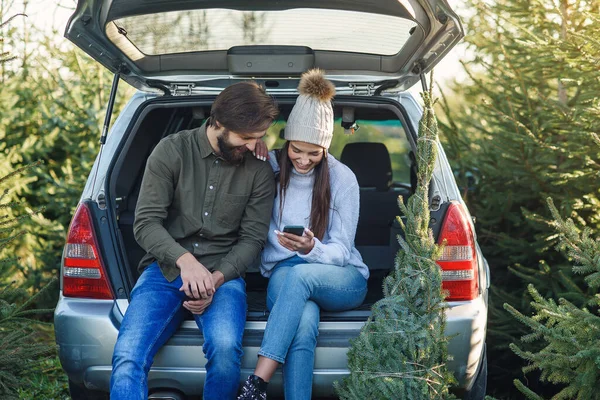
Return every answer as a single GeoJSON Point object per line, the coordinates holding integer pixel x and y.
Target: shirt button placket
{"type": "Point", "coordinates": [210, 196]}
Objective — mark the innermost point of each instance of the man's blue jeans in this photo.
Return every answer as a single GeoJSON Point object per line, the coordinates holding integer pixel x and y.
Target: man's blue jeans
{"type": "Point", "coordinates": [295, 295]}
{"type": "Point", "coordinates": [155, 313]}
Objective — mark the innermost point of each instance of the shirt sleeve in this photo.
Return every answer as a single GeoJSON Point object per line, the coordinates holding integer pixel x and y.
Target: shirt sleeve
{"type": "Point", "coordinates": [336, 249]}
{"type": "Point", "coordinates": [253, 227]}
{"type": "Point", "coordinates": [155, 198]}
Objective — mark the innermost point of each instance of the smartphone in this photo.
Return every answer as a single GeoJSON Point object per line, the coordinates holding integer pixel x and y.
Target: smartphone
{"type": "Point", "coordinates": [297, 230]}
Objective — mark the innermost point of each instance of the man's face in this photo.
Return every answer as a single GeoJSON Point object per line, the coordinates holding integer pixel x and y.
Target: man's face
{"type": "Point", "coordinates": [232, 146]}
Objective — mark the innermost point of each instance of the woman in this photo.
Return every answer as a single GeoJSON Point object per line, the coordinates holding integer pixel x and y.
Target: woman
{"type": "Point", "coordinates": [319, 269]}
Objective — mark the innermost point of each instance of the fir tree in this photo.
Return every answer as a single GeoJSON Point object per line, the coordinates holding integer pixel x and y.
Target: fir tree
{"type": "Point", "coordinates": [21, 349]}
{"type": "Point", "coordinates": [570, 335]}
{"type": "Point", "coordinates": [24, 343]}
{"type": "Point", "coordinates": [52, 105]}
{"type": "Point", "coordinates": [401, 351]}
{"type": "Point", "coordinates": [10, 231]}
{"type": "Point", "coordinates": [5, 56]}
{"type": "Point", "coordinates": [525, 125]}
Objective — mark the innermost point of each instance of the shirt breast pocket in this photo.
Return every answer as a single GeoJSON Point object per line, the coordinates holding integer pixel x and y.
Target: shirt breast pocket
{"type": "Point", "coordinates": [231, 209]}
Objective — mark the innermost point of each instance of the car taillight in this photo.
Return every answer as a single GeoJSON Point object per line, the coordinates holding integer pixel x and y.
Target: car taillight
{"type": "Point", "coordinates": [459, 258]}
{"type": "Point", "coordinates": [83, 272]}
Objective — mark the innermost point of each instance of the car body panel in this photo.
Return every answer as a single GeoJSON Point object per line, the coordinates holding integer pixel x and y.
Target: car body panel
{"type": "Point", "coordinates": [96, 180]}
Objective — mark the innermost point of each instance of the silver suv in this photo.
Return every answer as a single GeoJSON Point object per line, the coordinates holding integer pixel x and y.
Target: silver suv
{"type": "Point", "coordinates": [180, 55]}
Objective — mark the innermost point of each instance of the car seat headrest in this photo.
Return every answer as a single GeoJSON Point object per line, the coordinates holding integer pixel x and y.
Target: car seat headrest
{"type": "Point", "coordinates": [371, 164]}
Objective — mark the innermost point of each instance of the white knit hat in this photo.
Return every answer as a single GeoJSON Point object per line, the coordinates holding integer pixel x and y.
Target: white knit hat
{"type": "Point", "coordinates": [311, 119]}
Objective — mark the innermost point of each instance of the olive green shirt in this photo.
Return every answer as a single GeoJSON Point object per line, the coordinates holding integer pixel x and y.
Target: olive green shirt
{"type": "Point", "coordinates": [193, 201]}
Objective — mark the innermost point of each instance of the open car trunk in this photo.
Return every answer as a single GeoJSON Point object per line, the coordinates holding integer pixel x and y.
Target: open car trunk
{"type": "Point", "coordinates": [379, 153]}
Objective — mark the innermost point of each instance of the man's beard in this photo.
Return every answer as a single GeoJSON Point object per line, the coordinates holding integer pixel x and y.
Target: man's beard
{"type": "Point", "coordinates": [232, 154]}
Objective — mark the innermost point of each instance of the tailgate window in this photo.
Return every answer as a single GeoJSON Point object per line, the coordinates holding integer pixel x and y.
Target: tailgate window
{"type": "Point", "coordinates": [221, 29]}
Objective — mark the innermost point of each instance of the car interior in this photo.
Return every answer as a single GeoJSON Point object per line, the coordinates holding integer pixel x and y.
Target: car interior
{"type": "Point", "coordinates": [379, 153]}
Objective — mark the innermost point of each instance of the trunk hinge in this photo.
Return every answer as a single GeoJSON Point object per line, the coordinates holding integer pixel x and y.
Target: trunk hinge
{"type": "Point", "coordinates": [362, 89]}
{"type": "Point", "coordinates": [111, 102]}
{"type": "Point", "coordinates": [182, 89]}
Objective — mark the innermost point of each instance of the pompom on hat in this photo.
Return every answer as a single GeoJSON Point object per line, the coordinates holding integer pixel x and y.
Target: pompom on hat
{"type": "Point", "coordinates": [311, 119]}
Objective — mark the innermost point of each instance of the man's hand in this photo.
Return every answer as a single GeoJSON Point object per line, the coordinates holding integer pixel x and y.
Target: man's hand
{"type": "Point", "coordinates": [218, 279]}
{"type": "Point", "coordinates": [198, 306]}
{"type": "Point", "coordinates": [197, 280]}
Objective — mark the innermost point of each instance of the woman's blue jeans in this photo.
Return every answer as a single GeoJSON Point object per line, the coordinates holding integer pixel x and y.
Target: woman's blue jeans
{"type": "Point", "coordinates": [155, 313]}
{"type": "Point", "coordinates": [295, 295]}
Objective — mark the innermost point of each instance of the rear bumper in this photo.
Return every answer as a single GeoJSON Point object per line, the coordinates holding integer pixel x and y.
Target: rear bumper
{"type": "Point", "coordinates": [466, 326]}
{"type": "Point", "coordinates": [86, 332]}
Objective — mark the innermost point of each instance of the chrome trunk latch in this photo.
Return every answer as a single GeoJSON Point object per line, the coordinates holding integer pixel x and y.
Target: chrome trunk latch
{"type": "Point", "coordinates": [101, 200]}
{"type": "Point", "coordinates": [182, 89]}
{"type": "Point", "coordinates": [362, 89]}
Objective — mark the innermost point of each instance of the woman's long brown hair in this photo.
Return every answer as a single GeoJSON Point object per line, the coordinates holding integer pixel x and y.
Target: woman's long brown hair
{"type": "Point", "coordinates": [321, 197]}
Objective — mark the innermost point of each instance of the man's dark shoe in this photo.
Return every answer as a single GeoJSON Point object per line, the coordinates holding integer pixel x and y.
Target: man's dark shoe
{"type": "Point", "coordinates": [255, 388]}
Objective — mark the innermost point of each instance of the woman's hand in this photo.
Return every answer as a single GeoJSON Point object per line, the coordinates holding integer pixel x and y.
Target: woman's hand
{"type": "Point", "coordinates": [302, 244]}
{"type": "Point", "coordinates": [261, 151]}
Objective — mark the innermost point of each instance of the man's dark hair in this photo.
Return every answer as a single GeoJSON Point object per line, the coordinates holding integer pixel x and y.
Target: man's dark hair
{"type": "Point", "coordinates": [243, 107]}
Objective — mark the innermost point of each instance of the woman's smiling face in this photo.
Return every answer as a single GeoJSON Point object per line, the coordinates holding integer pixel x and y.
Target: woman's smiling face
{"type": "Point", "coordinates": [305, 156]}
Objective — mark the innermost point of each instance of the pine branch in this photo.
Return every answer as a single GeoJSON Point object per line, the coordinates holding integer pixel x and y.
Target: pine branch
{"type": "Point", "coordinates": [18, 171]}
{"type": "Point", "coordinates": [570, 335]}
{"type": "Point", "coordinates": [526, 391]}
{"type": "Point", "coordinates": [11, 18]}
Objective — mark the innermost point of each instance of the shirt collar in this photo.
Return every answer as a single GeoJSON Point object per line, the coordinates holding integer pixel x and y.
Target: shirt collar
{"type": "Point", "coordinates": [205, 147]}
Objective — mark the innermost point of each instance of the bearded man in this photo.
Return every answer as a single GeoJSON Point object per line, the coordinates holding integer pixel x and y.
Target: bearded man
{"type": "Point", "coordinates": [202, 216]}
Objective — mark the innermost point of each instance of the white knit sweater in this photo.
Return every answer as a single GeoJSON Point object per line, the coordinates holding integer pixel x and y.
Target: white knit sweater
{"type": "Point", "coordinates": [337, 247]}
